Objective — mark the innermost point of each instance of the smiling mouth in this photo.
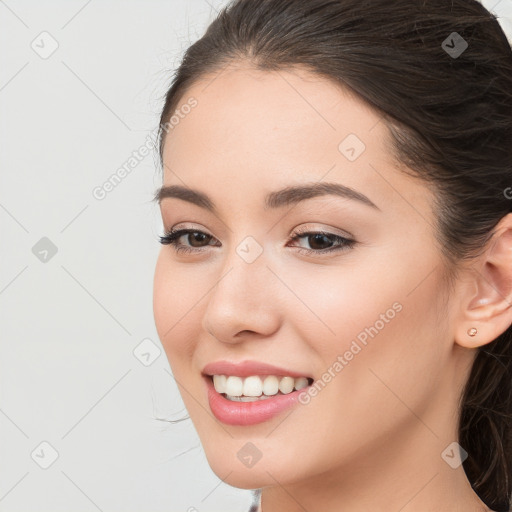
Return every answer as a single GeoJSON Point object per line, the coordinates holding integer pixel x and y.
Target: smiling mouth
{"type": "Point", "coordinates": [257, 387]}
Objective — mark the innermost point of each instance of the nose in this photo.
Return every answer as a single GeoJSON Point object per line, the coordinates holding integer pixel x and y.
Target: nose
{"type": "Point", "coordinates": [244, 302]}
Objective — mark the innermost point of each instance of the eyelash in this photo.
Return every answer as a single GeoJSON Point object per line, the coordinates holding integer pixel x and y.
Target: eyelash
{"type": "Point", "coordinates": [172, 237]}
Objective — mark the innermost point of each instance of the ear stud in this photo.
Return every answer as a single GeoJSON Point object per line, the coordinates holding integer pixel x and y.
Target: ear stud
{"type": "Point", "coordinates": [472, 331]}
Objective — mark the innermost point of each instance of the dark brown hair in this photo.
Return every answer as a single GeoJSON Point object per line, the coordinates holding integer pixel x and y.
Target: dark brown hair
{"type": "Point", "coordinates": [449, 116]}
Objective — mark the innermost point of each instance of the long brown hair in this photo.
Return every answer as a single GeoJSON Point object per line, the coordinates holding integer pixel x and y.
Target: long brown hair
{"type": "Point", "coordinates": [448, 108]}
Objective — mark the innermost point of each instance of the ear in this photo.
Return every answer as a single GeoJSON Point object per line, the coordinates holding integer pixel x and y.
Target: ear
{"type": "Point", "coordinates": [486, 299]}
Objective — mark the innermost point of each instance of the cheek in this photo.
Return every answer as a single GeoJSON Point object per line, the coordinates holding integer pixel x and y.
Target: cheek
{"type": "Point", "coordinates": [369, 301]}
{"type": "Point", "coordinates": [161, 296]}
{"type": "Point", "coordinates": [388, 351]}
{"type": "Point", "coordinates": [177, 308]}
{"type": "Point", "coordinates": [340, 305]}
{"type": "Point", "coordinates": [366, 400]}
{"type": "Point", "coordinates": [377, 335]}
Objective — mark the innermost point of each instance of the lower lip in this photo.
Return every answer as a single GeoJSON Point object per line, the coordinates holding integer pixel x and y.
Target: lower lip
{"type": "Point", "coordinates": [248, 413]}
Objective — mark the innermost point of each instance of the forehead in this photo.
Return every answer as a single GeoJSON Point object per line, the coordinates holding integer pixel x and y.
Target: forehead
{"type": "Point", "coordinates": [254, 130]}
{"type": "Point", "coordinates": [290, 112]}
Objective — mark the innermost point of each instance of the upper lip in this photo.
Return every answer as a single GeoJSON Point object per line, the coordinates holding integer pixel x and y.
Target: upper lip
{"type": "Point", "coordinates": [248, 368]}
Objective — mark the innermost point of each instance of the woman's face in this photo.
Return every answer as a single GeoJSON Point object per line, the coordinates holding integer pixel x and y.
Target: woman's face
{"type": "Point", "coordinates": [368, 321]}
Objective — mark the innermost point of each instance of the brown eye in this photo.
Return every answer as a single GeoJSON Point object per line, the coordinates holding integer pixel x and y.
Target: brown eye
{"type": "Point", "coordinates": [197, 236]}
{"type": "Point", "coordinates": [323, 242]}
{"type": "Point", "coordinates": [195, 240]}
{"type": "Point", "coordinates": [318, 241]}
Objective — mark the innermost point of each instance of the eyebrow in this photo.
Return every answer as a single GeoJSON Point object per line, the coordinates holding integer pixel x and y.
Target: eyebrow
{"type": "Point", "coordinates": [279, 198]}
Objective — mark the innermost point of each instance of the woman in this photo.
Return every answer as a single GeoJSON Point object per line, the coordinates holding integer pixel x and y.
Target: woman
{"type": "Point", "coordinates": [334, 287]}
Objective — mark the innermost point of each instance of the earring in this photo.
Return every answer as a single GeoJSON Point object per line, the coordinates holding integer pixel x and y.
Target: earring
{"type": "Point", "coordinates": [472, 331]}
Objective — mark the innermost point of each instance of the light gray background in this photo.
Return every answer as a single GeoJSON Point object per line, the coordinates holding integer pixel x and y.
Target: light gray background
{"type": "Point", "coordinates": [69, 325]}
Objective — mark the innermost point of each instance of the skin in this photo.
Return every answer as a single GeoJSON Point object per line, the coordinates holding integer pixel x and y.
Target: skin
{"type": "Point", "coordinates": [372, 438]}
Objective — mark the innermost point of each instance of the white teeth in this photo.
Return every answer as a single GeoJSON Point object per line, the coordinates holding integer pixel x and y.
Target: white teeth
{"type": "Point", "coordinates": [270, 385]}
{"type": "Point", "coordinates": [253, 387]}
{"type": "Point", "coordinates": [301, 382]}
{"type": "Point", "coordinates": [286, 385]}
{"type": "Point", "coordinates": [234, 386]}
{"type": "Point", "coordinates": [246, 398]}
{"type": "Point", "coordinates": [219, 382]}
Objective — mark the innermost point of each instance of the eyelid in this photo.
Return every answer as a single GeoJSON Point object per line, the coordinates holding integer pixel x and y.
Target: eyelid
{"type": "Point", "coordinates": [311, 226]}
{"type": "Point", "coordinates": [191, 227]}
{"type": "Point", "coordinates": [188, 225]}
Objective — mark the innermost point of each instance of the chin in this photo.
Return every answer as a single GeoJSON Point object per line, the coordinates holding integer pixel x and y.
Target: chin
{"type": "Point", "coordinates": [245, 478]}
{"type": "Point", "coordinates": [226, 464]}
